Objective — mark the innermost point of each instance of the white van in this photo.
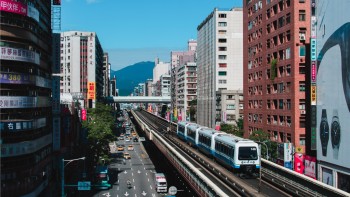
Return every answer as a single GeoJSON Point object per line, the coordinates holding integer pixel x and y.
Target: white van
{"type": "Point", "coordinates": [160, 182]}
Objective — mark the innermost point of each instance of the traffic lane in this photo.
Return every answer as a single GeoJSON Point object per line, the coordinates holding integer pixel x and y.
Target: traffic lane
{"type": "Point", "coordinates": [139, 170]}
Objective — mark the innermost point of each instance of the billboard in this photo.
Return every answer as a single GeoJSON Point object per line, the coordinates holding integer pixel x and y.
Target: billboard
{"type": "Point", "coordinates": [333, 84]}
{"type": "Point", "coordinates": [13, 7]}
{"type": "Point", "coordinates": [299, 163]}
{"type": "Point", "coordinates": [310, 166]}
{"type": "Point", "coordinates": [83, 114]}
{"type": "Point", "coordinates": [91, 90]}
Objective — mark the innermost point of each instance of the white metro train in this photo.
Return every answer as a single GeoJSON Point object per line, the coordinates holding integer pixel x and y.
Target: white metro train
{"type": "Point", "coordinates": [236, 153]}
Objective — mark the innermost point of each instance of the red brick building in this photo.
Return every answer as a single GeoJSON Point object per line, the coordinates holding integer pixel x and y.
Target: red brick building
{"type": "Point", "coordinates": [275, 36]}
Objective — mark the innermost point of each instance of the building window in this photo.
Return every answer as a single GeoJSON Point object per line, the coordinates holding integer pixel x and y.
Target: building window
{"type": "Point", "coordinates": [302, 86]}
{"type": "Point", "coordinates": [302, 140]}
{"type": "Point", "coordinates": [288, 18]}
{"type": "Point", "coordinates": [222, 81]}
{"type": "Point", "coordinates": [222, 40]}
{"type": "Point", "coordinates": [301, 1]}
{"type": "Point", "coordinates": [230, 107]}
{"type": "Point", "coordinates": [302, 51]}
{"type": "Point", "coordinates": [222, 31]}
{"type": "Point", "coordinates": [222, 24]}
{"type": "Point", "coordinates": [222, 57]}
{"type": "Point", "coordinates": [222, 15]}
{"type": "Point", "coordinates": [302, 16]}
{"type": "Point", "coordinates": [289, 104]}
{"type": "Point", "coordinates": [287, 53]}
{"type": "Point", "coordinates": [222, 73]}
{"type": "Point", "coordinates": [280, 105]}
{"type": "Point", "coordinates": [302, 69]}
{"type": "Point", "coordinates": [222, 65]}
{"type": "Point", "coordinates": [222, 48]}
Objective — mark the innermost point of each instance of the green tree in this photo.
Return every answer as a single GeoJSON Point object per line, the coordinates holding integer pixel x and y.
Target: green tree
{"type": "Point", "coordinates": [261, 136]}
{"type": "Point", "coordinates": [231, 129]}
{"type": "Point", "coordinates": [240, 123]}
{"type": "Point", "coordinates": [193, 110]}
{"type": "Point", "coordinates": [100, 125]}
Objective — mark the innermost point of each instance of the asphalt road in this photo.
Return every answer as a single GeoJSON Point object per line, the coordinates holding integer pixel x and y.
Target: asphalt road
{"type": "Point", "coordinates": [139, 170]}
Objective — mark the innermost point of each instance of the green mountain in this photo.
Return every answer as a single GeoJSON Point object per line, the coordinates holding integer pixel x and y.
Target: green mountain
{"type": "Point", "coordinates": [129, 77]}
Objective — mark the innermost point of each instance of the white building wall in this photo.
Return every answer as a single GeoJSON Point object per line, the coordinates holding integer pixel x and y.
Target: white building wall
{"type": "Point", "coordinates": [160, 69]}
{"type": "Point", "coordinates": [208, 61]}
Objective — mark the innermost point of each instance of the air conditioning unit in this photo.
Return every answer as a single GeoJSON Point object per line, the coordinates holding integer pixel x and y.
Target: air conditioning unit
{"type": "Point", "coordinates": [302, 112]}
{"type": "Point", "coordinates": [302, 37]}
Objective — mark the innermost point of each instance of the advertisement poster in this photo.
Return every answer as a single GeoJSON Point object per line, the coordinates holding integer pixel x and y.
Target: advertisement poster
{"type": "Point", "coordinates": [83, 114]}
{"type": "Point", "coordinates": [310, 166]}
{"type": "Point", "coordinates": [13, 7]}
{"type": "Point", "coordinates": [299, 163]}
{"type": "Point", "coordinates": [333, 83]}
{"type": "Point", "coordinates": [327, 176]}
{"type": "Point", "coordinates": [91, 90]}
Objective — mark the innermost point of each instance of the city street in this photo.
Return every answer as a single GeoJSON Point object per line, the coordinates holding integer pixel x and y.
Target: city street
{"type": "Point", "coordinates": [139, 170]}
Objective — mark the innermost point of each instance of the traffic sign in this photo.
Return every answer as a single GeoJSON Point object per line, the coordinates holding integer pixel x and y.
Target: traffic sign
{"type": "Point", "coordinates": [84, 185]}
{"type": "Point", "coordinates": [172, 190]}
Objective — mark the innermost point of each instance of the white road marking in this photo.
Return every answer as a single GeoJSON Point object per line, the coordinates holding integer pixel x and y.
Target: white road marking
{"type": "Point", "coordinates": [150, 186]}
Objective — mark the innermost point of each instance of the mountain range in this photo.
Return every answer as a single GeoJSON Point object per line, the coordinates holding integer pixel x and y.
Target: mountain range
{"type": "Point", "coordinates": [129, 77]}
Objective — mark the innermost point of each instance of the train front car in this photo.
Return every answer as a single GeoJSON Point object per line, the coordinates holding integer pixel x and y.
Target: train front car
{"type": "Point", "coordinates": [247, 158]}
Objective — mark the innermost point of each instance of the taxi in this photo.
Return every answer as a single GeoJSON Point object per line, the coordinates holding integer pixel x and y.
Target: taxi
{"type": "Point", "coordinates": [120, 148]}
{"type": "Point", "coordinates": [126, 155]}
{"type": "Point", "coordinates": [131, 147]}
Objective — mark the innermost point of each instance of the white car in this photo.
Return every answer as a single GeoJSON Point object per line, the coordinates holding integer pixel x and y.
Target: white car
{"type": "Point", "coordinates": [127, 139]}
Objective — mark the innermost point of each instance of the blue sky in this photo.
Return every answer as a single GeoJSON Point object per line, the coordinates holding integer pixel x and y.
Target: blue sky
{"type": "Point", "coordinates": [140, 30]}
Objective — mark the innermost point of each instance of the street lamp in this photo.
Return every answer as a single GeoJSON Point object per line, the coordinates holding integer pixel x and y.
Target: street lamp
{"type": "Point", "coordinates": [62, 171]}
{"type": "Point", "coordinates": [267, 149]}
{"type": "Point", "coordinates": [259, 187]}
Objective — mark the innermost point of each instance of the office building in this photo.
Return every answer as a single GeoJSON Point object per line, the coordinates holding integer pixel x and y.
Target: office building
{"type": "Point", "coordinates": [82, 66]}
{"type": "Point", "coordinates": [219, 60]}
{"type": "Point", "coordinates": [179, 58]}
{"type": "Point", "coordinates": [25, 100]}
{"type": "Point", "coordinates": [186, 86]}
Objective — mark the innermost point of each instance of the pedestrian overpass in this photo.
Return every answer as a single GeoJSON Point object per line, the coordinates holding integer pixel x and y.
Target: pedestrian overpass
{"type": "Point", "coordinates": [139, 99]}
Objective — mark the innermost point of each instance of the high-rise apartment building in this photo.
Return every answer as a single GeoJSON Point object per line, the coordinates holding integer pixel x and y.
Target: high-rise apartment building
{"type": "Point", "coordinates": [159, 69]}
{"type": "Point", "coordinates": [82, 66]}
{"type": "Point", "coordinates": [106, 74]}
{"type": "Point", "coordinates": [219, 60]}
{"type": "Point", "coordinates": [186, 89]}
{"type": "Point", "coordinates": [276, 35]}
{"type": "Point", "coordinates": [25, 100]}
{"type": "Point", "coordinates": [179, 58]}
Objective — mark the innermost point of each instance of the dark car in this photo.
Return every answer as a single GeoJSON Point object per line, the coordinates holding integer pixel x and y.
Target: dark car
{"type": "Point", "coordinates": [135, 139]}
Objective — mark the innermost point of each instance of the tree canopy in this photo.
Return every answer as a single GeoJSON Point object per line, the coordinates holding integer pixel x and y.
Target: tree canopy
{"type": "Point", "coordinates": [100, 122]}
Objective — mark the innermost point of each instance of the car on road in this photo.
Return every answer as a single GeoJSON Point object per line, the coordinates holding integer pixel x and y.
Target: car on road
{"type": "Point", "coordinates": [127, 139]}
{"type": "Point", "coordinates": [133, 134]}
{"type": "Point", "coordinates": [135, 139]}
{"type": "Point", "coordinates": [130, 147]}
{"type": "Point", "coordinates": [141, 139]}
{"type": "Point", "coordinates": [121, 138]}
{"type": "Point", "coordinates": [126, 155]}
{"type": "Point", "coordinates": [120, 148]}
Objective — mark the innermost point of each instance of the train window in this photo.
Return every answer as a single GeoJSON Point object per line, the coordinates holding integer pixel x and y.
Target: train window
{"type": "Point", "coordinates": [247, 153]}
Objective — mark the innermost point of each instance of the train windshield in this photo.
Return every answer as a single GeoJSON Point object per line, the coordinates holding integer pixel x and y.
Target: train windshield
{"type": "Point", "coordinates": [247, 153]}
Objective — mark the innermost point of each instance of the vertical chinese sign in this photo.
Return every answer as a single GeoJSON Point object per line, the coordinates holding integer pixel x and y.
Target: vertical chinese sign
{"type": "Point", "coordinates": [91, 90]}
